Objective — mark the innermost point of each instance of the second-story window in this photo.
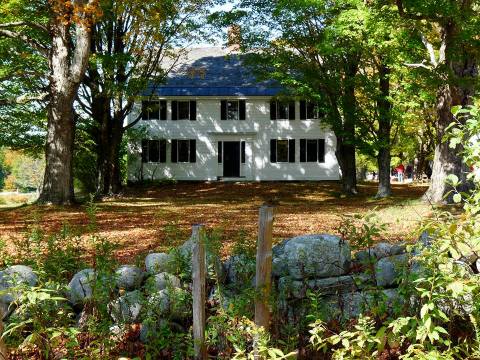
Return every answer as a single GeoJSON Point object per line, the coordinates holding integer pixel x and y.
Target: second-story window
{"type": "Point", "coordinates": [154, 110]}
{"type": "Point", "coordinates": [309, 110]}
{"type": "Point", "coordinates": [184, 110]}
{"type": "Point", "coordinates": [232, 110]}
{"type": "Point", "coordinates": [282, 110]}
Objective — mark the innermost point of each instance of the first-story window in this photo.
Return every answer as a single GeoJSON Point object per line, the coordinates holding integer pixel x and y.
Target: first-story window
{"type": "Point", "coordinates": [282, 150]}
{"type": "Point", "coordinates": [154, 151]}
{"type": "Point", "coordinates": [154, 110]}
{"type": "Point", "coordinates": [184, 151]}
{"type": "Point", "coordinates": [312, 150]}
{"type": "Point", "coordinates": [184, 110]}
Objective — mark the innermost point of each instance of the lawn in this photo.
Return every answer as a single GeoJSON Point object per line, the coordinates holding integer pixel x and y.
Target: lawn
{"type": "Point", "coordinates": [156, 218]}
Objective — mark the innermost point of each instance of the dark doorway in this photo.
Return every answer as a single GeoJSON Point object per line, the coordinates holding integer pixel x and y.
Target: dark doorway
{"type": "Point", "coordinates": [231, 159]}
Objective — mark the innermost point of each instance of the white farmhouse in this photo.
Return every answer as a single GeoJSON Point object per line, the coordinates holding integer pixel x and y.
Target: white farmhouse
{"type": "Point", "coordinates": [212, 121]}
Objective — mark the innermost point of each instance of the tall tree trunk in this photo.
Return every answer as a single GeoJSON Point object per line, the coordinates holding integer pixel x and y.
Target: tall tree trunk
{"type": "Point", "coordinates": [457, 90]}
{"type": "Point", "coordinates": [67, 64]}
{"type": "Point", "coordinates": [345, 154]}
{"type": "Point", "coordinates": [384, 129]}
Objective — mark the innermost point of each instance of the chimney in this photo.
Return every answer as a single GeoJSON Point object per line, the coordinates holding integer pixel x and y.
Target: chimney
{"type": "Point", "coordinates": [234, 37]}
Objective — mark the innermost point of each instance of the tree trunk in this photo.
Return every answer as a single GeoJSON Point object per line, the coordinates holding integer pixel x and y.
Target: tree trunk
{"type": "Point", "coordinates": [67, 63]}
{"type": "Point", "coordinates": [384, 129]}
{"type": "Point", "coordinates": [345, 154]}
{"type": "Point", "coordinates": [58, 179]}
{"type": "Point", "coordinates": [457, 90]}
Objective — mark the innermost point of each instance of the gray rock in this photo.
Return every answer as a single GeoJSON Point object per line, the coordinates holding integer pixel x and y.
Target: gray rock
{"type": "Point", "coordinates": [325, 286]}
{"type": "Point", "coordinates": [163, 281]}
{"type": "Point", "coordinates": [129, 277]}
{"type": "Point", "coordinates": [364, 257]}
{"type": "Point", "coordinates": [382, 250]}
{"type": "Point", "coordinates": [355, 303]}
{"type": "Point", "coordinates": [312, 256]}
{"type": "Point", "coordinates": [239, 269]}
{"type": "Point", "coordinates": [158, 262]}
{"type": "Point", "coordinates": [14, 276]}
{"type": "Point", "coordinates": [388, 269]}
{"type": "Point", "coordinates": [126, 309]}
{"type": "Point", "coordinates": [172, 303]}
{"type": "Point", "coordinates": [81, 286]}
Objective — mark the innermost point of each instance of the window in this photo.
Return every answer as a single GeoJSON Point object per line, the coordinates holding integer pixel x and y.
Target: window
{"type": "Point", "coordinates": [184, 151]}
{"type": "Point", "coordinates": [154, 151]}
{"type": "Point", "coordinates": [282, 150]}
{"type": "Point", "coordinates": [184, 110]}
{"type": "Point", "coordinates": [309, 110]}
{"type": "Point", "coordinates": [154, 110]}
{"type": "Point", "coordinates": [281, 110]}
{"type": "Point", "coordinates": [312, 150]}
{"type": "Point", "coordinates": [232, 110]}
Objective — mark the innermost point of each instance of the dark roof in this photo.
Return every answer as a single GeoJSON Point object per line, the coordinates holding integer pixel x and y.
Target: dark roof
{"type": "Point", "coordinates": [213, 71]}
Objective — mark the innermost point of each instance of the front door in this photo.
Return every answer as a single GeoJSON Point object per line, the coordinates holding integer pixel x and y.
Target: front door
{"type": "Point", "coordinates": [231, 159]}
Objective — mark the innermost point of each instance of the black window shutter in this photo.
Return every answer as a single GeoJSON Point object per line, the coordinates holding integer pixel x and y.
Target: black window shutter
{"type": "Point", "coordinates": [144, 150]}
{"type": "Point", "coordinates": [163, 109]}
{"type": "Point", "coordinates": [243, 152]}
{"type": "Point", "coordinates": [174, 110]}
{"type": "Point", "coordinates": [303, 109]}
{"type": "Point", "coordinates": [291, 110]}
{"type": "Point", "coordinates": [273, 150]}
{"type": "Point", "coordinates": [193, 111]}
{"type": "Point", "coordinates": [223, 110]}
{"type": "Point", "coordinates": [193, 151]}
{"type": "Point", "coordinates": [291, 150]}
{"type": "Point", "coordinates": [321, 150]}
{"type": "Point", "coordinates": [303, 150]}
{"type": "Point", "coordinates": [144, 110]}
{"type": "Point", "coordinates": [220, 151]}
{"type": "Point", "coordinates": [273, 110]}
{"type": "Point", "coordinates": [163, 151]}
{"type": "Point", "coordinates": [241, 109]}
{"type": "Point", "coordinates": [174, 150]}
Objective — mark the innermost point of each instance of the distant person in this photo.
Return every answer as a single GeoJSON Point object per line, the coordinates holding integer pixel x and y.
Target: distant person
{"type": "Point", "coordinates": [374, 174]}
{"type": "Point", "coordinates": [409, 172]}
{"type": "Point", "coordinates": [400, 172]}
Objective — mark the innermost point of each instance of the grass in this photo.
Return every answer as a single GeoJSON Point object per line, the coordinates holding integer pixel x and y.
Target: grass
{"type": "Point", "coordinates": [158, 217]}
{"type": "Point", "coordinates": [11, 199]}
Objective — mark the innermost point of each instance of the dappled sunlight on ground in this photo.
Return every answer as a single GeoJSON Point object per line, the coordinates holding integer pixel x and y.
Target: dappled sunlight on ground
{"type": "Point", "coordinates": [144, 220]}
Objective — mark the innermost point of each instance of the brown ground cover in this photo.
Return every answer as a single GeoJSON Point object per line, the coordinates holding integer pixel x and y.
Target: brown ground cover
{"type": "Point", "coordinates": [155, 218]}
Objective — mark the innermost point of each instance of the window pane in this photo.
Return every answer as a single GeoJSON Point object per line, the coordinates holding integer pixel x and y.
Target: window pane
{"type": "Point", "coordinates": [312, 111]}
{"type": "Point", "coordinates": [232, 110]}
{"type": "Point", "coordinates": [282, 110]}
{"type": "Point", "coordinates": [154, 150]}
{"type": "Point", "coordinates": [183, 110]}
{"type": "Point", "coordinates": [282, 151]}
{"type": "Point", "coordinates": [183, 151]}
{"type": "Point", "coordinates": [153, 110]}
{"type": "Point", "coordinates": [311, 150]}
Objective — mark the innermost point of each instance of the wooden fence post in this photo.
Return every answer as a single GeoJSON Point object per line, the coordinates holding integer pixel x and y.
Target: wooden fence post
{"type": "Point", "coordinates": [263, 282]}
{"type": "Point", "coordinates": [198, 292]}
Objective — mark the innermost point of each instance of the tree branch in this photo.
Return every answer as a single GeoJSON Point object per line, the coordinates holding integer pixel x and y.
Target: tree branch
{"type": "Point", "coordinates": [29, 41]}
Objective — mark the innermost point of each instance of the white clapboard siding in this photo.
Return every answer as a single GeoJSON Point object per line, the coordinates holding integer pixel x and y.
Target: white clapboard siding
{"type": "Point", "coordinates": [256, 131]}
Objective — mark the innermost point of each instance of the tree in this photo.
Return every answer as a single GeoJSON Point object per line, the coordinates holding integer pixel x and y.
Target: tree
{"type": "Point", "coordinates": [448, 30]}
{"type": "Point", "coordinates": [60, 31]}
{"type": "Point", "coordinates": [134, 47]}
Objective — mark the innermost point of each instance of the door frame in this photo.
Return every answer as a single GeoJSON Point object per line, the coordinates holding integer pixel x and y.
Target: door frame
{"type": "Point", "coordinates": [239, 160]}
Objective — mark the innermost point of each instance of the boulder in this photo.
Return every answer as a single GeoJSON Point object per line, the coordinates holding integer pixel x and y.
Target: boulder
{"type": "Point", "coordinates": [81, 286]}
{"type": "Point", "coordinates": [129, 277]}
{"type": "Point", "coordinates": [13, 276]}
{"type": "Point", "coordinates": [158, 262]}
{"type": "Point", "coordinates": [311, 256]}
{"type": "Point", "coordinates": [382, 250]}
{"type": "Point", "coordinates": [171, 303]}
{"type": "Point", "coordinates": [240, 269]}
{"type": "Point", "coordinates": [126, 309]}
{"type": "Point", "coordinates": [163, 281]}
{"type": "Point", "coordinates": [325, 286]}
{"type": "Point", "coordinates": [389, 268]}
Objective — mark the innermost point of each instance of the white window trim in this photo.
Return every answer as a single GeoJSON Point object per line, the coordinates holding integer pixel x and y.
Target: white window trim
{"type": "Point", "coordinates": [178, 109]}
{"type": "Point", "coordinates": [288, 150]}
{"type": "Point", "coordinates": [178, 151]}
{"type": "Point", "coordinates": [277, 104]}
